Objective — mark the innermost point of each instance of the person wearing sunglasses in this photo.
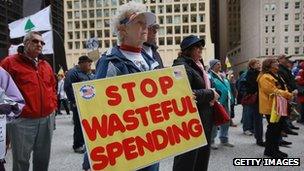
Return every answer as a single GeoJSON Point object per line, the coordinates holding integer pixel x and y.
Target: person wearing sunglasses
{"type": "Point", "coordinates": [33, 130]}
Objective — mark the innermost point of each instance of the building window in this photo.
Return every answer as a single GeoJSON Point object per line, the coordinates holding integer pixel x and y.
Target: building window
{"type": "Point", "coordinates": [286, 17]}
{"type": "Point", "coordinates": [272, 18]}
{"type": "Point", "coordinates": [297, 16]}
{"type": "Point", "coordinates": [266, 7]}
{"type": "Point", "coordinates": [77, 25]}
{"type": "Point", "coordinates": [273, 40]}
{"type": "Point", "coordinates": [76, 15]}
{"type": "Point", "coordinates": [272, 29]}
{"type": "Point", "coordinates": [273, 51]}
{"type": "Point", "coordinates": [177, 29]}
{"type": "Point", "coordinates": [297, 27]}
{"type": "Point", "coordinates": [266, 40]}
{"type": "Point", "coordinates": [202, 17]}
{"type": "Point", "coordinates": [177, 19]}
{"type": "Point", "coordinates": [84, 14]}
{"type": "Point", "coordinates": [69, 4]}
{"type": "Point", "coordinates": [107, 23]}
{"type": "Point", "coordinates": [92, 23]}
{"type": "Point", "coordinates": [98, 13]}
{"type": "Point", "coordinates": [76, 5]}
{"type": "Point", "coordinates": [297, 5]}
{"type": "Point", "coordinates": [99, 23]}
{"type": "Point", "coordinates": [286, 28]}
{"type": "Point", "coordinates": [286, 39]}
{"type": "Point", "coordinates": [160, 9]}
{"type": "Point", "coordinates": [185, 7]}
{"type": "Point", "coordinates": [91, 3]}
{"type": "Point", "coordinates": [107, 33]}
{"type": "Point", "coordinates": [297, 39]}
{"type": "Point", "coordinates": [202, 29]}
{"type": "Point", "coordinates": [161, 31]}
{"type": "Point", "coordinates": [185, 19]}
{"type": "Point", "coordinates": [70, 15]}
{"type": "Point", "coordinates": [92, 34]}
{"type": "Point", "coordinates": [266, 18]}
{"type": "Point", "coordinates": [176, 8]}
{"type": "Point", "coordinates": [169, 30]}
{"type": "Point", "coordinates": [106, 13]}
{"type": "Point", "coordinates": [286, 50]}
{"type": "Point", "coordinates": [266, 29]}
{"type": "Point", "coordinates": [77, 45]}
{"type": "Point", "coordinates": [169, 40]}
{"type": "Point", "coordinates": [169, 19]}
{"type": "Point", "coordinates": [107, 43]}
{"type": "Point", "coordinates": [193, 7]}
{"type": "Point", "coordinates": [201, 6]}
{"type": "Point", "coordinates": [161, 41]}
{"type": "Point", "coordinates": [70, 35]}
{"type": "Point", "coordinates": [77, 34]}
{"type": "Point", "coordinates": [70, 45]}
{"type": "Point", "coordinates": [161, 20]}
{"type": "Point", "coordinates": [84, 24]}
{"type": "Point", "coordinates": [169, 9]}
{"type": "Point", "coordinates": [84, 34]}
{"type": "Point", "coordinates": [286, 5]}
{"type": "Point", "coordinates": [296, 50]}
{"type": "Point", "coordinates": [266, 51]}
{"type": "Point", "coordinates": [193, 29]}
{"type": "Point", "coordinates": [98, 3]}
{"type": "Point", "coordinates": [185, 29]}
{"type": "Point", "coordinates": [193, 18]}
{"type": "Point", "coordinates": [273, 7]}
{"type": "Point", "coordinates": [83, 3]}
{"type": "Point", "coordinates": [177, 40]}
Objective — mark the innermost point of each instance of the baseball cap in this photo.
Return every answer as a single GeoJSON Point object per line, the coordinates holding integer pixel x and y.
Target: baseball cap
{"type": "Point", "coordinates": [83, 59]}
{"type": "Point", "coordinates": [150, 18]}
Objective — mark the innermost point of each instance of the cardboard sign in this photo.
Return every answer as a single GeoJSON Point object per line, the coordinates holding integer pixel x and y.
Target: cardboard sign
{"type": "Point", "coordinates": [135, 120]}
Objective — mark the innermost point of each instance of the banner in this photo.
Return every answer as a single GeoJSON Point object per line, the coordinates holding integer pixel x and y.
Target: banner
{"type": "Point", "coordinates": [133, 121]}
{"type": "Point", "coordinates": [39, 21]}
{"type": "Point", "coordinates": [47, 48]}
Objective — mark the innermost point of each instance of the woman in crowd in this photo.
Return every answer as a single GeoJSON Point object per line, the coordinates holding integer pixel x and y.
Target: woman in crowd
{"type": "Point", "coordinates": [251, 108]}
{"type": "Point", "coordinates": [270, 85]}
{"type": "Point", "coordinates": [191, 57]}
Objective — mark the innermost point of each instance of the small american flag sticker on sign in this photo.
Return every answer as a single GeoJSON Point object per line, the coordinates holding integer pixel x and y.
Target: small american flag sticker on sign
{"type": "Point", "coordinates": [87, 91]}
{"type": "Point", "coordinates": [177, 73]}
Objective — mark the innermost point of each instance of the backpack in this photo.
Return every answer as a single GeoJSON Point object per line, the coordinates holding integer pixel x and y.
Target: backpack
{"type": "Point", "coordinates": [241, 87]}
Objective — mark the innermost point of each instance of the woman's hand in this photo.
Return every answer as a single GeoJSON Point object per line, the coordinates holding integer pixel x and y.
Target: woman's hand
{"type": "Point", "coordinates": [215, 98]}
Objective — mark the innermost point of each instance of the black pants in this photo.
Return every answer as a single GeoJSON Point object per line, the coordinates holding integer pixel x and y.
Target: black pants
{"type": "Point", "coordinates": [64, 102]}
{"type": "Point", "coordinates": [273, 134]}
{"type": "Point", "coordinates": [78, 137]}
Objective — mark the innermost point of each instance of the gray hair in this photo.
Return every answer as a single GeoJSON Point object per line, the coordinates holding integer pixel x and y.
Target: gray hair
{"type": "Point", "coordinates": [29, 36]}
{"type": "Point", "coordinates": [123, 12]}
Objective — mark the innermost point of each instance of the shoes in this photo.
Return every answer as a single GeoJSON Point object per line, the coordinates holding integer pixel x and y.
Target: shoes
{"type": "Point", "coordinates": [227, 144]}
{"type": "Point", "coordinates": [260, 143]}
{"type": "Point", "coordinates": [79, 150]}
{"type": "Point", "coordinates": [291, 132]}
{"type": "Point", "coordinates": [283, 134]}
{"type": "Point", "coordinates": [249, 133]}
{"type": "Point", "coordinates": [282, 153]}
{"type": "Point", "coordinates": [214, 146]}
{"type": "Point", "coordinates": [273, 154]}
{"type": "Point", "coordinates": [284, 143]}
{"type": "Point", "coordinates": [294, 127]}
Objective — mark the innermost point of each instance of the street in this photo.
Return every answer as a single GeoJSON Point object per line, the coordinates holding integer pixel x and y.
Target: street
{"type": "Point", "coordinates": [64, 158]}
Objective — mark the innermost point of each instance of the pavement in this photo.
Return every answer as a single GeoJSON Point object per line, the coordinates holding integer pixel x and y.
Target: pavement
{"type": "Point", "coordinates": [63, 157]}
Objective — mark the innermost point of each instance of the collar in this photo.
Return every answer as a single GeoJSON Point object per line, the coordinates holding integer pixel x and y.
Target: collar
{"type": "Point", "coordinates": [130, 48]}
{"type": "Point", "coordinates": [151, 45]}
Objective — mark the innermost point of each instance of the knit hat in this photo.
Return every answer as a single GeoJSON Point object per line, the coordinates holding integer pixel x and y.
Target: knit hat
{"type": "Point", "coordinates": [213, 62]}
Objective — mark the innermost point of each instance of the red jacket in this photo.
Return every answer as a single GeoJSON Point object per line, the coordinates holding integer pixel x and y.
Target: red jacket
{"type": "Point", "coordinates": [36, 84]}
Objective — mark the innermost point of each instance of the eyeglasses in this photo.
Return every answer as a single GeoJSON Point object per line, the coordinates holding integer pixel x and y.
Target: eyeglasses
{"type": "Point", "coordinates": [36, 41]}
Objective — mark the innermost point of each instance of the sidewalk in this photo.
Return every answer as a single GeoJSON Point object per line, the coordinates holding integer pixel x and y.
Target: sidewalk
{"type": "Point", "coordinates": [64, 158]}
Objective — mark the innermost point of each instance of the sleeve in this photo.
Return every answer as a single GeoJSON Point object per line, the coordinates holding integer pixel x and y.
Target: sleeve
{"type": "Point", "coordinates": [70, 78]}
{"type": "Point", "coordinates": [54, 84]}
{"type": "Point", "coordinates": [268, 85]}
{"type": "Point", "coordinates": [11, 95]}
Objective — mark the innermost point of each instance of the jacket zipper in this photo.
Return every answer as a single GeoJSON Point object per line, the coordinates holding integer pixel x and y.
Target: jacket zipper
{"type": "Point", "coordinates": [41, 108]}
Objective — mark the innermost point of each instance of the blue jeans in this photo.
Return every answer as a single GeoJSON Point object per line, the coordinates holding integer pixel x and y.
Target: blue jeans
{"type": "Point", "coordinates": [223, 130]}
{"type": "Point", "coordinates": [248, 118]}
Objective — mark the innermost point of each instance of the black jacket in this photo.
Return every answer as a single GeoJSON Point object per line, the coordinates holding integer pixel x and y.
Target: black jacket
{"type": "Point", "coordinates": [203, 95]}
{"type": "Point", "coordinates": [156, 55]}
{"type": "Point", "coordinates": [251, 81]}
{"type": "Point", "coordinates": [287, 76]}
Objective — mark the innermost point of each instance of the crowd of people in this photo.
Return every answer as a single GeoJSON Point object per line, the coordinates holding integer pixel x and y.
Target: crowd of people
{"type": "Point", "coordinates": [30, 96]}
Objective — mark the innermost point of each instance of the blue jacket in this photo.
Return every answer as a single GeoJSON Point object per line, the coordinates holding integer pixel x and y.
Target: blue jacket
{"type": "Point", "coordinates": [113, 63]}
{"type": "Point", "coordinates": [223, 87]}
{"type": "Point", "coordinates": [75, 75]}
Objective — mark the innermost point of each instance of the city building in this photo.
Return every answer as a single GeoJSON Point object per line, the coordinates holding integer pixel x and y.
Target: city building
{"type": "Point", "coordinates": [270, 28]}
{"type": "Point", "coordinates": [9, 11]}
{"type": "Point", "coordinates": [85, 19]}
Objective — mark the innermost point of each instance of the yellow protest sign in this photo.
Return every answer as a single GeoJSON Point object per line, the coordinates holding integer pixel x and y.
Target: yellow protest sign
{"type": "Point", "coordinates": [132, 121]}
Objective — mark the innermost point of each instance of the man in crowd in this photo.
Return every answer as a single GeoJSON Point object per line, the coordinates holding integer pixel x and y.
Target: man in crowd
{"type": "Point", "coordinates": [33, 130]}
{"type": "Point", "coordinates": [150, 46]}
{"type": "Point", "coordinates": [81, 72]}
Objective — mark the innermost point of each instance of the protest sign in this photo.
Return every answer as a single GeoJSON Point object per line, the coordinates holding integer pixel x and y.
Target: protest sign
{"type": "Point", "coordinates": [132, 121]}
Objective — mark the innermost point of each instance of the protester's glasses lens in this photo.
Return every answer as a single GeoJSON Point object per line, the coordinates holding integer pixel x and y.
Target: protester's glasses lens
{"type": "Point", "coordinates": [37, 41]}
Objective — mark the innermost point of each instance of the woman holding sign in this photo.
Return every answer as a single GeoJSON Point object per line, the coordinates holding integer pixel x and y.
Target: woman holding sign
{"type": "Point", "coordinates": [191, 57]}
